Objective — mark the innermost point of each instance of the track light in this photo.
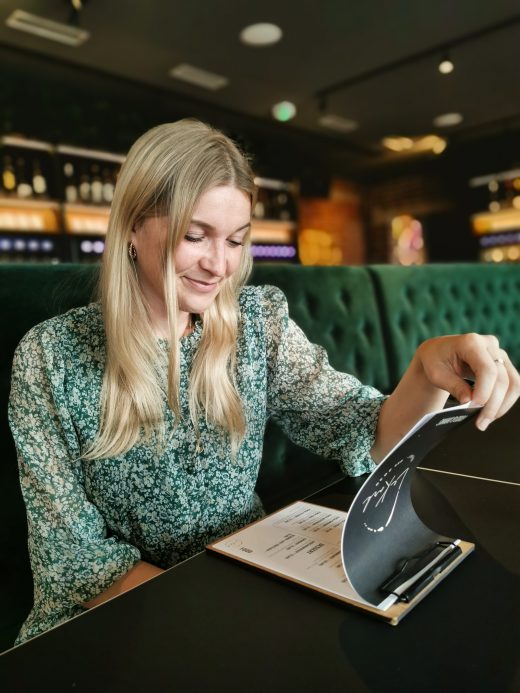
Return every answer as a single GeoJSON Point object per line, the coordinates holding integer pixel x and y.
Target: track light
{"type": "Point", "coordinates": [446, 65]}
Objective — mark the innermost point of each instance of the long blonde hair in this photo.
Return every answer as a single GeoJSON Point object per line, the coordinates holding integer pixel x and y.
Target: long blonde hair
{"type": "Point", "coordinates": [165, 173]}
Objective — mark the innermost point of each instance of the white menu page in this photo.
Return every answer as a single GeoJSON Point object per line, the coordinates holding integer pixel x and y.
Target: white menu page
{"type": "Point", "coordinates": [301, 542]}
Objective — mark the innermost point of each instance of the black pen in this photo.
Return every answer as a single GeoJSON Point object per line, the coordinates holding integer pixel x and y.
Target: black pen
{"type": "Point", "coordinates": [407, 594]}
{"type": "Point", "coordinates": [419, 585]}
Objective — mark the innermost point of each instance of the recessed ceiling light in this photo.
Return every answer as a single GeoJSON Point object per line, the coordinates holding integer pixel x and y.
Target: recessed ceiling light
{"type": "Point", "coordinates": [446, 66]}
{"type": "Point", "coordinates": [335, 122]}
{"type": "Point", "coordinates": [199, 77]}
{"type": "Point", "coordinates": [284, 111]}
{"type": "Point", "coordinates": [262, 34]}
{"type": "Point", "coordinates": [397, 144]}
{"type": "Point", "coordinates": [447, 119]}
{"type": "Point", "coordinates": [427, 143]}
{"type": "Point", "coordinates": [46, 28]}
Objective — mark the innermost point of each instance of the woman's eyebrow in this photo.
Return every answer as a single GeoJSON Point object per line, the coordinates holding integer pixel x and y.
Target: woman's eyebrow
{"type": "Point", "coordinates": [209, 227]}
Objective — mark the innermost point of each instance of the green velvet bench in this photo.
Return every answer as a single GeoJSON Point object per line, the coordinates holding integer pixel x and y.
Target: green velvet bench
{"type": "Point", "coordinates": [421, 302]}
{"type": "Point", "coordinates": [370, 320]}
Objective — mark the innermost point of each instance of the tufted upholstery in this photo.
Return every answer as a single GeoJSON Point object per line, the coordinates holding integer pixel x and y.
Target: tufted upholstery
{"type": "Point", "coordinates": [336, 307]}
{"type": "Point", "coordinates": [421, 302]}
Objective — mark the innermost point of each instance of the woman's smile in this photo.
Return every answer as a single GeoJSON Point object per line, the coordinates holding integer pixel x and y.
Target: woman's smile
{"type": "Point", "coordinates": [200, 285]}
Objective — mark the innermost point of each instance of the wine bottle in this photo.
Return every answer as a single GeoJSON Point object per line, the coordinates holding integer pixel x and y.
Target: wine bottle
{"type": "Point", "coordinates": [96, 186]}
{"type": "Point", "coordinates": [71, 191]}
{"type": "Point", "coordinates": [8, 176]}
{"type": "Point", "coordinates": [39, 183]}
{"type": "Point", "coordinates": [23, 188]}
{"type": "Point", "coordinates": [108, 186]}
{"type": "Point", "coordinates": [84, 186]}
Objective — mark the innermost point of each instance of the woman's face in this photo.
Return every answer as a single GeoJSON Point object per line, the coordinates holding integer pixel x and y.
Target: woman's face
{"type": "Point", "coordinates": [208, 254]}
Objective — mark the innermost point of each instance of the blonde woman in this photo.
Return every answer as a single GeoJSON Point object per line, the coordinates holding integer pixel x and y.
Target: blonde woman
{"type": "Point", "coordinates": [139, 419]}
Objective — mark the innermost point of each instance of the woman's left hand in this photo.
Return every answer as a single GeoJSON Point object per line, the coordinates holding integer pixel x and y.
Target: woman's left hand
{"type": "Point", "coordinates": [447, 361]}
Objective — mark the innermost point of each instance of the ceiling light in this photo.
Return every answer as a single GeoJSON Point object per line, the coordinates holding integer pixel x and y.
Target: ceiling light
{"type": "Point", "coordinates": [199, 77]}
{"type": "Point", "coordinates": [262, 34]}
{"type": "Point", "coordinates": [397, 144]}
{"type": "Point", "coordinates": [428, 143]}
{"type": "Point", "coordinates": [335, 122]}
{"type": "Point", "coordinates": [432, 143]}
{"type": "Point", "coordinates": [447, 120]}
{"type": "Point", "coordinates": [46, 28]}
{"type": "Point", "coordinates": [284, 111]}
{"type": "Point", "coordinates": [446, 66]}
{"type": "Point", "coordinates": [439, 146]}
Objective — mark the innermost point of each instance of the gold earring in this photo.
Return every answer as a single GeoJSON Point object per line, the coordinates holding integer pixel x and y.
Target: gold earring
{"type": "Point", "coordinates": [132, 252]}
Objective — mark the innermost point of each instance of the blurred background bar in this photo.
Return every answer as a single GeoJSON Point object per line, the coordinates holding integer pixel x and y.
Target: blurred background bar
{"type": "Point", "coordinates": [380, 132]}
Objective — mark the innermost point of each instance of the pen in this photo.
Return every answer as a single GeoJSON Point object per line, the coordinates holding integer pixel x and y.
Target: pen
{"type": "Point", "coordinates": [418, 586]}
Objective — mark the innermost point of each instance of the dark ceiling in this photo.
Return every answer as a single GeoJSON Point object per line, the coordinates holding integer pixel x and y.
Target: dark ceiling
{"type": "Point", "coordinates": [373, 62]}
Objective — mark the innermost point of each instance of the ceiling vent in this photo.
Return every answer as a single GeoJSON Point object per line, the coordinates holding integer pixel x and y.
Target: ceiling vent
{"type": "Point", "coordinates": [46, 28]}
{"type": "Point", "coordinates": [338, 123]}
{"type": "Point", "coordinates": [199, 77]}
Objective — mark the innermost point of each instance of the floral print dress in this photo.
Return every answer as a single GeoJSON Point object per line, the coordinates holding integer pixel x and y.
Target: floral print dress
{"type": "Point", "coordinates": [89, 522]}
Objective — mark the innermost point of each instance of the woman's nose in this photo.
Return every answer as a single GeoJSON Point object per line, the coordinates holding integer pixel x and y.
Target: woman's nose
{"type": "Point", "coordinates": [214, 259]}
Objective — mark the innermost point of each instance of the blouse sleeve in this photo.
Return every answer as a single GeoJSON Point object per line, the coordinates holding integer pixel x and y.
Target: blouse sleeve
{"type": "Point", "coordinates": [319, 408]}
{"type": "Point", "coordinates": [72, 558]}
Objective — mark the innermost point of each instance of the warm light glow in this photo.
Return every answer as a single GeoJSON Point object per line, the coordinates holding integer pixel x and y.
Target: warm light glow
{"type": "Point", "coordinates": [432, 143]}
{"type": "Point", "coordinates": [318, 247]}
{"type": "Point", "coordinates": [502, 220]}
{"type": "Point", "coordinates": [397, 144]}
{"type": "Point", "coordinates": [446, 66]}
{"type": "Point", "coordinates": [407, 241]}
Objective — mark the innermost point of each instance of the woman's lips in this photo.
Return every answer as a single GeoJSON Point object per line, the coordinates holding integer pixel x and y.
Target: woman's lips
{"type": "Point", "coordinates": [203, 287]}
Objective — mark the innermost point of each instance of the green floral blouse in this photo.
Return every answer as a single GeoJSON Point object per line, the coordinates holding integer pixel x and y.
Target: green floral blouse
{"type": "Point", "coordinates": [90, 522]}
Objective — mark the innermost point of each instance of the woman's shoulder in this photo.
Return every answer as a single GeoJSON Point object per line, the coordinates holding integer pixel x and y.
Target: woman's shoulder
{"type": "Point", "coordinates": [262, 298]}
{"type": "Point", "coordinates": [76, 326]}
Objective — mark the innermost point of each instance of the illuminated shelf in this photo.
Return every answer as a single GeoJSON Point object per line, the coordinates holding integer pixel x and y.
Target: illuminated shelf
{"type": "Point", "coordinates": [85, 219]}
{"type": "Point", "coordinates": [491, 222]}
{"type": "Point", "coordinates": [273, 231]}
{"type": "Point", "coordinates": [29, 215]}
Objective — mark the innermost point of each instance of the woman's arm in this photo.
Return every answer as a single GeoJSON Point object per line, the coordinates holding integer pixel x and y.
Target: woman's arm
{"type": "Point", "coordinates": [438, 369]}
{"type": "Point", "coordinates": [140, 573]}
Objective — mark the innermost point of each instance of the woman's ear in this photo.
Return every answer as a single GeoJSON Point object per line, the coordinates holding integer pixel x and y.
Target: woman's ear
{"type": "Point", "coordinates": [135, 228]}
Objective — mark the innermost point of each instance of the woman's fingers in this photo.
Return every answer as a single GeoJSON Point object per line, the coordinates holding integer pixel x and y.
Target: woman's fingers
{"type": "Point", "coordinates": [513, 391]}
{"type": "Point", "coordinates": [448, 360]}
{"type": "Point", "coordinates": [495, 402]}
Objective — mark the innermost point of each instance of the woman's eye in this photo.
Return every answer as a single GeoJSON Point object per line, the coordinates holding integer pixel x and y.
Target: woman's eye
{"type": "Point", "coordinates": [193, 239]}
{"type": "Point", "coordinates": [235, 244]}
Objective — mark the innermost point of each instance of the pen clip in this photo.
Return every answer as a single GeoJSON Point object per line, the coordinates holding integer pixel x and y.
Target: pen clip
{"type": "Point", "coordinates": [421, 583]}
{"type": "Point", "coordinates": [408, 568]}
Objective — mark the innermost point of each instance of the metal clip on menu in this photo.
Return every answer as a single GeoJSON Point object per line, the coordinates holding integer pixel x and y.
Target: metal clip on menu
{"type": "Point", "coordinates": [413, 574]}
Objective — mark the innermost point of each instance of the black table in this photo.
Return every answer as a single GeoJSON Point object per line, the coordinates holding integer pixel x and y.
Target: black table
{"type": "Point", "coordinates": [212, 625]}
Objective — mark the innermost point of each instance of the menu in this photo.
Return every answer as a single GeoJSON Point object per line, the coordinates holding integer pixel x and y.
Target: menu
{"type": "Point", "coordinates": [377, 555]}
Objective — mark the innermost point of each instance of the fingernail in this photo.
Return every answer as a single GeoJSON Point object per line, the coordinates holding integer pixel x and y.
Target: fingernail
{"type": "Point", "coordinates": [482, 425]}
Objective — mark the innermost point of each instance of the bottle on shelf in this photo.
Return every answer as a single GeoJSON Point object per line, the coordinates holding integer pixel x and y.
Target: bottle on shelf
{"type": "Point", "coordinates": [39, 182]}
{"type": "Point", "coordinates": [108, 186]}
{"type": "Point", "coordinates": [23, 188]}
{"type": "Point", "coordinates": [96, 185]}
{"type": "Point", "coordinates": [71, 190]}
{"type": "Point", "coordinates": [8, 176]}
{"type": "Point", "coordinates": [85, 193]}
